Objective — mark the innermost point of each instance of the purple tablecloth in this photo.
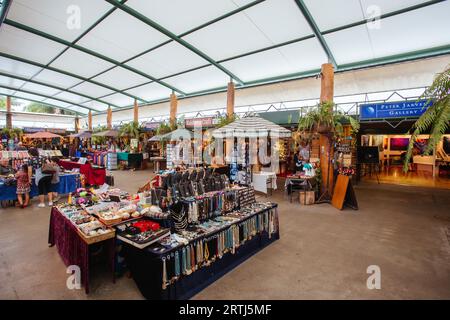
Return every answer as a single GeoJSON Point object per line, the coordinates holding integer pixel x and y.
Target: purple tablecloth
{"type": "Point", "coordinates": [71, 247]}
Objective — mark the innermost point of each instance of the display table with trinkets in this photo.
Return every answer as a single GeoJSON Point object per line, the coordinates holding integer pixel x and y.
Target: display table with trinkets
{"type": "Point", "coordinates": [203, 245]}
{"type": "Point", "coordinates": [173, 245]}
{"type": "Point", "coordinates": [86, 221]}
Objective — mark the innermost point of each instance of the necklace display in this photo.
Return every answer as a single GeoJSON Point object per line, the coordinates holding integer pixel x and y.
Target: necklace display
{"type": "Point", "coordinates": [210, 220]}
{"type": "Point", "coordinates": [228, 233]}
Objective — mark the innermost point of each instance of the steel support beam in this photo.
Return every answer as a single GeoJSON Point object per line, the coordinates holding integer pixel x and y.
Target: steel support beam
{"type": "Point", "coordinates": [309, 18]}
{"type": "Point", "coordinates": [57, 88]}
{"type": "Point", "coordinates": [88, 51]}
{"type": "Point", "coordinates": [173, 36]}
{"type": "Point", "coordinates": [46, 96]}
{"type": "Point", "coordinates": [421, 54]}
{"type": "Point", "coordinates": [44, 103]}
{"type": "Point", "coordinates": [4, 7]}
{"type": "Point", "coordinates": [383, 16]}
{"type": "Point", "coordinates": [204, 25]}
{"type": "Point", "coordinates": [37, 64]}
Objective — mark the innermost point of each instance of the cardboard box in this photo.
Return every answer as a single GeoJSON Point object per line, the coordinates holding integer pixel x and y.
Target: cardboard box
{"type": "Point", "coordinates": [307, 198]}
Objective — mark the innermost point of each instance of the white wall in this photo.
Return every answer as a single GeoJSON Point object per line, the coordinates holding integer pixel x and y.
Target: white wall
{"type": "Point", "coordinates": [404, 75]}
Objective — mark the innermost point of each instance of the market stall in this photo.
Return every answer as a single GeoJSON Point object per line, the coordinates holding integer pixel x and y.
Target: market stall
{"type": "Point", "coordinates": [253, 132]}
{"type": "Point", "coordinates": [68, 183]}
{"type": "Point", "coordinates": [263, 180]}
{"type": "Point", "coordinates": [174, 246]}
{"type": "Point", "coordinates": [94, 175]}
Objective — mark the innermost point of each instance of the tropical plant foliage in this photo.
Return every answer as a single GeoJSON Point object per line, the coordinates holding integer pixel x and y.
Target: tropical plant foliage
{"type": "Point", "coordinates": [164, 128]}
{"type": "Point", "coordinates": [98, 140]}
{"type": "Point", "coordinates": [223, 120]}
{"type": "Point", "coordinates": [436, 118]}
{"type": "Point", "coordinates": [326, 115]}
{"type": "Point", "coordinates": [12, 133]}
{"type": "Point", "coordinates": [131, 130]}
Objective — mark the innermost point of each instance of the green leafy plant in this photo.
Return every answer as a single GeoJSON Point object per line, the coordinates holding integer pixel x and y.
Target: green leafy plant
{"type": "Point", "coordinates": [131, 130]}
{"type": "Point", "coordinates": [325, 118]}
{"type": "Point", "coordinates": [436, 118]}
{"type": "Point", "coordinates": [98, 140]}
{"type": "Point", "coordinates": [164, 128]}
{"type": "Point", "coordinates": [12, 133]}
{"type": "Point", "coordinates": [223, 120]}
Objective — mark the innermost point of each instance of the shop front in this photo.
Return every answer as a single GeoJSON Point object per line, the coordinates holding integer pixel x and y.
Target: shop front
{"type": "Point", "coordinates": [383, 144]}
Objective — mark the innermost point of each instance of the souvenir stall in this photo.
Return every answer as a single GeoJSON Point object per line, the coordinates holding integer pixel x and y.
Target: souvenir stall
{"type": "Point", "coordinates": [176, 237]}
{"type": "Point", "coordinates": [68, 181]}
{"type": "Point", "coordinates": [251, 137]}
{"type": "Point", "coordinates": [94, 175]}
{"type": "Point", "coordinates": [179, 147]}
{"type": "Point", "coordinates": [156, 154]}
{"type": "Point", "coordinates": [105, 156]}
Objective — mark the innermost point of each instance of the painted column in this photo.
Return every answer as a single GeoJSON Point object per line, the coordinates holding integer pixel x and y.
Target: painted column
{"type": "Point", "coordinates": [173, 109]}
{"type": "Point", "coordinates": [8, 113]}
{"type": "Point", "coordinates": [136, 111]}
{"type": "Point", "coordinates": [90, 120]}
{"type": "Point", "coordinates": [230, 99]}
{"type": "Point", "coordinates": [77, 124]}
{"type": "Point", "coordinates": [229, 142]}
{"type": "Point", "coordinates": [109, 118]}
{"type": "Point", "coordinates": [326, 149]}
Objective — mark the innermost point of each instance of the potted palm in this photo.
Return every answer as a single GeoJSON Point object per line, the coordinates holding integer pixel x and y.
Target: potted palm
{"type": "Point", "coordinates": [324, 118]}
{"type": "Point", "coordinates": [436, 119]}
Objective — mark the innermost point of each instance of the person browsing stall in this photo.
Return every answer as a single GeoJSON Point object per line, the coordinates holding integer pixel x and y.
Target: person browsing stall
{"type": "Point", "coordinates": [23, 186]}
{"type": "Point", "coordinates": [43, 180]}
{"type": "Point", "coordinates": [55, 178]}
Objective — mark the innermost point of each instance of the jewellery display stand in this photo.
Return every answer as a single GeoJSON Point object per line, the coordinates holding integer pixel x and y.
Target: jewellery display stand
{"type": "Point", "coordinates": [213, 232]}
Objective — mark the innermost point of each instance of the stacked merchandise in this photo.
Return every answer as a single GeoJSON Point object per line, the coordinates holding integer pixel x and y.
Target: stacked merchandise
{"type": "Point", "coordinates": [99, 158]}
{"type": "Point", "coordinates": [169, 156]}
{"type": "Point", "coordinates": [50, 153]}
{"type": "Point", "coordinates": [111, 162]}
{"type": "Point", "coordinates": [15, 158]}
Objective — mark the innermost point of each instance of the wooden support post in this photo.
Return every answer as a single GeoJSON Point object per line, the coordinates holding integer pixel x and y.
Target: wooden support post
{"type": "Point", "coordinates": [77, 124]}
{"type": "Point", "coordinates": [230, 99]}
{"type": "Point", "coordinates": [326, 149]}
{"type": "Point", "coordinates": [229, 142]}
{"type": "Point", "coordinates": [327, 83]}
{"type": "Point", "coordinates": [8, 113]}
{"type": "Point", "coordinates": [136, 111]}
{"type": "Point", "coordinates": [109, 118]}
{"type": "Point", "coordinates": [90, 120]}
{"type": "Point", "coordinates": [173, 110]}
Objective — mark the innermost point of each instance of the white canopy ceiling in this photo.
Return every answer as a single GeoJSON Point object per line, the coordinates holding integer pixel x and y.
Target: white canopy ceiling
{"type": "Point", "coordinates": [85, 55]}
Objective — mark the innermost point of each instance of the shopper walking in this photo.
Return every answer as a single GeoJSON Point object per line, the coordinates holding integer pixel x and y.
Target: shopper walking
{"type": "Point", "coordinates": [43, 180]}
{"type": "Point", "coordinates": [55, 178]}
{"type": "Point", "coordinates": [23, 186]}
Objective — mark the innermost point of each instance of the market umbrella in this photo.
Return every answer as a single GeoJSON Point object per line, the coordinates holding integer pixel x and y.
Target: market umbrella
{"type": "Point", "coordinates": [251, 127]}
{"type": "Point", "coordinates": [84, 134]}
{"type": "Point", "coordinates": [155, 138]}
{"type": "Point", "coordinates": [42, 135]}
{"type": "Point", "coordinates": [176, 135]}
{"type": "Point", "coordinates": [107, 133]}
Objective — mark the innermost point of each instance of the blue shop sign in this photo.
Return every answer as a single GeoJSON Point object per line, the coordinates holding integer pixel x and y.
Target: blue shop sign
{"type": "Point", "coordinates": [404, 109]}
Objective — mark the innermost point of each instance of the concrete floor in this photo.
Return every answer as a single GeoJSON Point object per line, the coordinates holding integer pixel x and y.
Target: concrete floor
{"type": "Point", "coordinates": [322, 253]}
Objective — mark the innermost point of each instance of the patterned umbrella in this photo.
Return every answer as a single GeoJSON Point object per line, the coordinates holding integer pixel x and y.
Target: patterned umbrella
{"type": "Point", "coordinates": [252, 126]}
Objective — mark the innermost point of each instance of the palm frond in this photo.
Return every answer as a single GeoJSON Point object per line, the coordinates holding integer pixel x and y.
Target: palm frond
{"type": "Point", "coordinates": [436, 118]}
